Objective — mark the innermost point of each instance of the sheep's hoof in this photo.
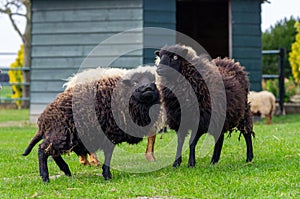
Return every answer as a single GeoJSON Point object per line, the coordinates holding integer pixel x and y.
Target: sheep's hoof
{"type": "Point", "coordinates": [150, 156]}
{"type": "Point", "coordinates": [177, 162]}
{"type": "Point", "coordinates": [249, 159]}
{"type": "Point", "coordinates": [107, 176]}
{"type": "Point", "coordinates": [45, 179]}
{"type": "Point", "coordinates": [213, 162]}
{"type": "Point", "coordinates": [192, 163]}
{"type": "Point", "coordinates": [106, 172]}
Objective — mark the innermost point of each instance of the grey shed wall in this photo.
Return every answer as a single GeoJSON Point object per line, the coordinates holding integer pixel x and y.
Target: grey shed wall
{"type": "Point", "coordinates": [246, 38]}
{"type": "Point", "coordinates": [160, 14]}
{"type": "Point", "coordinates": [64, 33]}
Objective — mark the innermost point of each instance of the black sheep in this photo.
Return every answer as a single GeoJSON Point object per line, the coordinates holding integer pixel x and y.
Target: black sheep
{"type": "Point", "coordinates": [183, 59]}
{"type": "Point", "coordinates": [75, 119]}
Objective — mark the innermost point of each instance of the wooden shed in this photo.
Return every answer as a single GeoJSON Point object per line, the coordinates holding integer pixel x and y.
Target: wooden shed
{"type": "Point", "coordinates": [64, 32]}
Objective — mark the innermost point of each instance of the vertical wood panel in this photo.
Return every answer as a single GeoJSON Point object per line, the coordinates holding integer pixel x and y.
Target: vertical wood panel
{"type": "Point", "coordinates": [246, 38]}
{"type": "Point", "coordinates": [158, 14]}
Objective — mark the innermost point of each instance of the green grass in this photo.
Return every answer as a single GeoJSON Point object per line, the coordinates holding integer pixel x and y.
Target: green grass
{"type": "Point", "coordinates": [274, 172]}
{"type": "Point", "coordinates": [14, 115]}
{"type": "Point", "coordinates": [6, 92]}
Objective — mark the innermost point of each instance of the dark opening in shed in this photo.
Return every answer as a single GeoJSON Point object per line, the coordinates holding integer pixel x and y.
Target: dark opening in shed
{"type": "Point", "coordinates": [206, 21]}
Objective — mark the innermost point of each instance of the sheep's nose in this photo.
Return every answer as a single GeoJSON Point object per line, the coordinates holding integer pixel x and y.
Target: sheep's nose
{"type": "Point", "coordinates": [148, 87]}
{"type": "Point", "coordinates": [165, 60]}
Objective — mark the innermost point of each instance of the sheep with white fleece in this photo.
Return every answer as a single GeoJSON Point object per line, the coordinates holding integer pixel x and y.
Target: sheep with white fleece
{"type": "Point", "coordinates": [262, 104]}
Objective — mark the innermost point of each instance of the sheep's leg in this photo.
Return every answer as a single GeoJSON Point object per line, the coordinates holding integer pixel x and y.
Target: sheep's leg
{"type": "Point", "coordinates": [269, 118]}
{"type": "Point", "coordinates": [94, 160]}
{"type": "Point", "coordinates": [108, 150]}
{"type": "Point", "coordinates": [217, 150]}
{"type": "Point", "coordinates": [83, 160]}
{"type": "Point", "coordinates": [149, 155]}
{"type": "Point", "coordinates": [180, 141]}
{"type": "Point", "coordinates": [63, 166]}
{"type": "Point", "coordinates": [193, 142]}
{"type": "Point", "coordinates": [247, 130]}
{"type": "Point", "coordinates": [43, 167]}
{"type": "Point", "coordinates": [248, 140]}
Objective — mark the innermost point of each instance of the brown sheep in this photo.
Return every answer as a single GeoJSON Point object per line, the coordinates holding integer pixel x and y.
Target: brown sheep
{"type": "Point", "coordinates": [87, 76]}
{"type": "Point", "coordinates": [193, 68]}
{"type": "Point", "coordinates": [81, 119]}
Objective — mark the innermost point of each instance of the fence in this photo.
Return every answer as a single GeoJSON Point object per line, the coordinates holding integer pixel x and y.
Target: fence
{"type": "Point", "coordinates": [280, 76]}
{"type": "Point", "coordinates": [3, 82]}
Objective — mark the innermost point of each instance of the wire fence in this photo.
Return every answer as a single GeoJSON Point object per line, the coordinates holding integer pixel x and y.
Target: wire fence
{"type": "Point", "coordinates": [280, 76]}
{"type": "Point", "coordinates": [5, 96]}
{"type": "Point", "coordinates": [6, 91]}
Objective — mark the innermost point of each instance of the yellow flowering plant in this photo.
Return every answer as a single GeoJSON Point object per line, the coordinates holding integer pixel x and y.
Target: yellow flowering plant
{"type": "Point", "coordinates": [294, 58]}
{"type": "Point", "coordinates": [16, 77]}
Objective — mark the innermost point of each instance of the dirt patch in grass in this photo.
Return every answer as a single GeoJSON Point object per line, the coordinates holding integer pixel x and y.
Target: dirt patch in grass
{"type": "Point", "coordinates": [14, 123]}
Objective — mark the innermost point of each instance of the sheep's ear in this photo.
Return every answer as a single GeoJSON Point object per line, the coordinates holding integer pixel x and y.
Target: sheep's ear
{"type": "Point", "coordinates": [156, 52]}
{"type": "Point", "coordinates": [126, 82]}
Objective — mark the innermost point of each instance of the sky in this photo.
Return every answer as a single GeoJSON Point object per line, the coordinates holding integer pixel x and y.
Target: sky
{"type": "Point", "coordinates": [278, 9]}
{"type": "Point", "coordinates": [271, 13]}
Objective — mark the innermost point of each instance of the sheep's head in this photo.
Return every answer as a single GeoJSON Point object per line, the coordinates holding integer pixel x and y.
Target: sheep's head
{"type": "Point", "coordinates": [138, 96]}
{"type": "Point", "coordinates": [169, 59]}
{"type": "Point", "coordinates": [141, 82]}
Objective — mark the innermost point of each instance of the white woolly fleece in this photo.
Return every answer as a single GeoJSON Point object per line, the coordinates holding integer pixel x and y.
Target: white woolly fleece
{"type": "Point", "coordinates": [140, 69]}
{"type": "Point", "coordinates": [263, 102]}
{"type": "Point", "coordinates": [91, 75]}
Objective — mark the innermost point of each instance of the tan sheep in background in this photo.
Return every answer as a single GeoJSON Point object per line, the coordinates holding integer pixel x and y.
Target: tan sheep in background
{"type": "Point", "coordinates": [262, 104]}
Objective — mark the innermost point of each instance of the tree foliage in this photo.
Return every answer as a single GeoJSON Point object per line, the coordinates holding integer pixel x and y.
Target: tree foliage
{"type": "Point", "coordinates": [294, 56]}
{"type": "Point", "coordinates": [281, 35]}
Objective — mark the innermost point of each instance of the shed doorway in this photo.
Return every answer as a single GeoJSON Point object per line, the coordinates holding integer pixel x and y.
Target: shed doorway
{"type": "Point", "coordinates": [207, 22]}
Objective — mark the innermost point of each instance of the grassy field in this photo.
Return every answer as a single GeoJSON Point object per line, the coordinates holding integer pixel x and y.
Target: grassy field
{"type": "Point", "coordinates": [274, 172]}
{"type": "Point", "coordinates": [6, 92]}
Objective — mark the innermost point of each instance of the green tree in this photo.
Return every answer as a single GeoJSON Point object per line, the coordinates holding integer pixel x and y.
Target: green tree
{"type": "Point", "coordinates": [294, 56]}
{"type": "Point", "coordinates": [281, 35]}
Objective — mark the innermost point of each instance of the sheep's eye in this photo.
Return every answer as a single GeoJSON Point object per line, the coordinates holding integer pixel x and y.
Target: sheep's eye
{"type": "Point", "coordinates": [127, 82]}
{"type": "Point", "coordinates": [135, 83]}
{"type": "Point", "coordinates": [175, 57]}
